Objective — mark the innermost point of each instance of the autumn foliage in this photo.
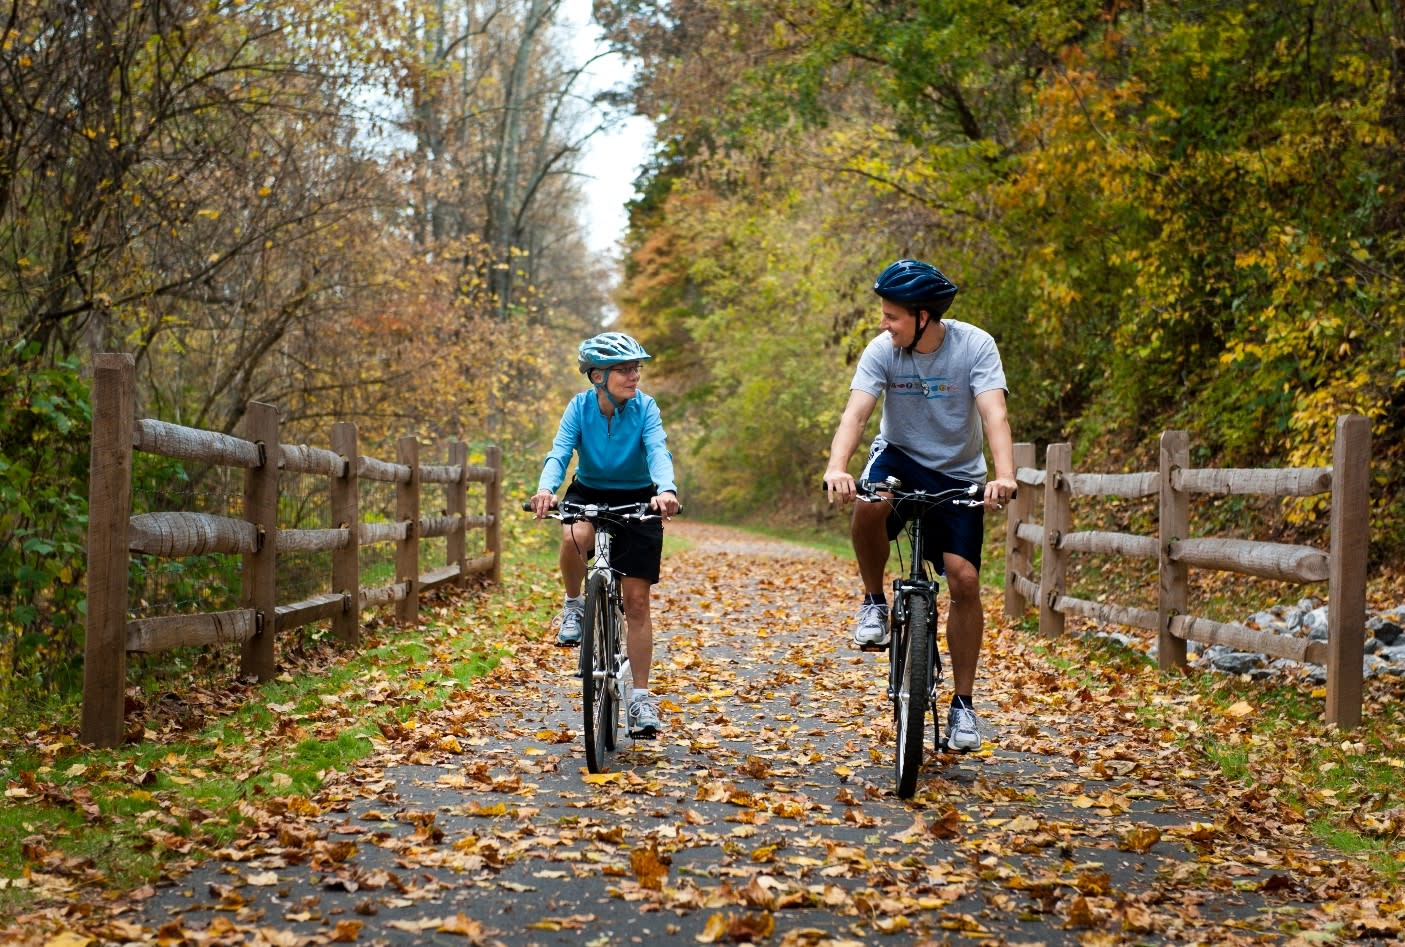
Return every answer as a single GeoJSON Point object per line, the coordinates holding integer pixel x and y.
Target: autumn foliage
{"type": "Point", "coordinates": [1171, 216]}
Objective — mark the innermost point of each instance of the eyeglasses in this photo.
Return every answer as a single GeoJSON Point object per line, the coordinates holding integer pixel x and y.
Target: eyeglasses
{"type": "Point", "coordinates": [630, 369]}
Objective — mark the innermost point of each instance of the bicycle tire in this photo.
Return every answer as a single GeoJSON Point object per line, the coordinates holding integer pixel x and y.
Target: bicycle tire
{"type": "Point", "coordinates": [596, 695]}
{"type": "Point", "coordinates": [910, 697]}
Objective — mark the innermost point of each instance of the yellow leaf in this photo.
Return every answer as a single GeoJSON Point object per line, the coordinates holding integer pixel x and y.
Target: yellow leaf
{"type": "Point", "coordinates": [891, 925]}
{"type": "Point", "coordinates": [68, 939]}
{"type": "Point", "coordinates": [600, 779]}
{"type": "Point", "coordinates": [1139, 838]}
{"type": "Point", "coordinates": [713, 930]}
{"type": "Point", "coordinates": [650, 870]}
{"type": "Point", "coordinates": [347, 931]}
{"type": "Point", "coordinates": [462, 924]}
{"type": "Point", "coordinates": [1241, 709]}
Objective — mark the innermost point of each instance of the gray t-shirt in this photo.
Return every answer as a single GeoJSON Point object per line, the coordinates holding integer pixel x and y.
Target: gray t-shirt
{"type": "Point", "coordinates": [930, 406]}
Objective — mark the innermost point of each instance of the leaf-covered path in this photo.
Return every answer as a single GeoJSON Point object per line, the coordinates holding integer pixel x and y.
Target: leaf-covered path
{"type": "Point", "coordinates": [765, 814]}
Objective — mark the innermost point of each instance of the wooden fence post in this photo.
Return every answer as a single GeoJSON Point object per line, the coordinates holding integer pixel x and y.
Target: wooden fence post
{"type": "Point", "coordinates": [346, 514]}
{"type": "Point", "coordinates": [456, 504]}
{"type": "Point", "coordinates": [1017, 558]}
{"type": "Point", "coordinates": [260, 574]}
{"type": "Point", "coordinates": [492, 456]}
{"type": "Point", "coordinates": [1346, 583]}
{"type": "Point", "coordinates": [109, 510]}
{"type": "Point", "coordinates": [1173, 577]}
{"type": "Point", "coordinates": [407, 552]}
{"type": "Point", "coordinates": [1057, 516]}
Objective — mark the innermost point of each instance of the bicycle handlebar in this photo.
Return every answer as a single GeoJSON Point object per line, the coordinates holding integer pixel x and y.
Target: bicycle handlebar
{"type": "Point", "coordinates": [868, 491]}
{"type": "Point", "coordinates": [957, 496]}
{"type": "Point", "coordinates": [568, 512]}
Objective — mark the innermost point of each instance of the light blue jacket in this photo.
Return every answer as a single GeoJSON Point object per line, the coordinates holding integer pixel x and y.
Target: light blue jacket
{"type": "Point", "coordinates": [626, 452]}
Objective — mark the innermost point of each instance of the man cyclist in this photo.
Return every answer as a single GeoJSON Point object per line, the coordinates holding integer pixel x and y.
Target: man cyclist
{"type": "Point", "coordinates": [622, 457]}
{"type": "Point", "coordinates": [943, 391]}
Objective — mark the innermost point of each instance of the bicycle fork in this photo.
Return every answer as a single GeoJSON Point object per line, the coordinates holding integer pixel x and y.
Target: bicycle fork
{"type": "Point", "coordinates": [902, 590]}
{"type": "Point", "coordinates": [624, 677]}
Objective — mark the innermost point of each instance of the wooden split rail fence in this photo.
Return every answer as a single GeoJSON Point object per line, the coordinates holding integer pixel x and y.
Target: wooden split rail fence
{"type": "Point", "coordinates": [114, 534]}
{"type": "Point", "coordinates": [1343, 567]}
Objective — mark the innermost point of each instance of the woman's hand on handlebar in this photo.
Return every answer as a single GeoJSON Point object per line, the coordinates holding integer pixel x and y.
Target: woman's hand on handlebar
{"type": "Point", "coordinates": [665, 504]}
{"type": "Point", "coordinates": [543, 502]}
{"type": "Point", "coordinates": [839, 484]}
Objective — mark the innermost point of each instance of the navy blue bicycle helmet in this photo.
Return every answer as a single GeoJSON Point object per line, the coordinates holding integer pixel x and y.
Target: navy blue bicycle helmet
{"type": "Point", "coordinates": [917, 286]}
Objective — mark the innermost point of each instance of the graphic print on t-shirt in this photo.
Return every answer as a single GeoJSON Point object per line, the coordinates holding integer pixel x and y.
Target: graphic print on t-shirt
{"type": "Point", "coordinates": [929, 387]}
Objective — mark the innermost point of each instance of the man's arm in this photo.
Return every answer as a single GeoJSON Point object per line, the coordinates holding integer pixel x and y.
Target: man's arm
{"type": "Point", "coordinates": [837, 479]}
{"type": "Point", "coordinates": [991, 405]}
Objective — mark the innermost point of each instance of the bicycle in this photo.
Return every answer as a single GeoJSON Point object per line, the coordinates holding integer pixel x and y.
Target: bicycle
{"type": "Point", "coordinates": [603, 664]}
{"type": "Point", "coordinates": [914, 662]}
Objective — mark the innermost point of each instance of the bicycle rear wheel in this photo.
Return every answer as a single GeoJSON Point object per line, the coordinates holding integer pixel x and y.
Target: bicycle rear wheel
{"type": "Point", "coordinates": [597, 692]}
{"type": "Point", "coordinates": [912, 651]}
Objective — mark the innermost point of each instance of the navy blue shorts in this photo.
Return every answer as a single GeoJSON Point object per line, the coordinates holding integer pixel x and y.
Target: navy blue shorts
{"type": "Point", "coordinates": [637, 548]}
{"type": "Point", "coordinates": [955, 529]}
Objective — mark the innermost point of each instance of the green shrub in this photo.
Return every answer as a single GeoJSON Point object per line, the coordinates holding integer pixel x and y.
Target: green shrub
{"type": "Point", "coordinates": [45, 421]}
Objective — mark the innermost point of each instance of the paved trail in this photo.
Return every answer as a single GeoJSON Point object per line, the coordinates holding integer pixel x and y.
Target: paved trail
{"type": "Point", "coordinates": [764, 814]}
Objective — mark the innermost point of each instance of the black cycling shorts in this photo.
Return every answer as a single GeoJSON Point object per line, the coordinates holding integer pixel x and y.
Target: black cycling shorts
{"type": "Point", "coordinates": [955, 529]}
{"type": "Point", "coordinates": [637, 548]}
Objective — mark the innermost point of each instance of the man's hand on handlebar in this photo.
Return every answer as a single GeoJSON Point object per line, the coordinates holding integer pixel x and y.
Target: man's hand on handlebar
{"type": "Point", "coordinates": [998, 492]}
{"type": "Point", "coordinates": [839, 485]}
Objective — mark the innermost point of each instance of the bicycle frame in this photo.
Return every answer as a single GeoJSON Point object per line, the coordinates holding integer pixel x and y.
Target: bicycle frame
{"type": "Point", "coordinates": [914, 658]}
{"type": "Point", "coordinates": [604, 658]}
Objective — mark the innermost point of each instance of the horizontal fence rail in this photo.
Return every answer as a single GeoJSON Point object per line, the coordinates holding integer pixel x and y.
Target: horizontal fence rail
{"type": "Point", "coordinates": [1342, 567]}
{"type": "Point", "coordinates": [114, 534]}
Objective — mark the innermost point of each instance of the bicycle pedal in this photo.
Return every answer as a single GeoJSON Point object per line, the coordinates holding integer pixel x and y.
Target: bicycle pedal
{"type": "Point", "coordinates": [567, 644]}
{"type": "Point", "coordinates": [644, 735]}
{"type": "Point", "coordinates": [873, 648]}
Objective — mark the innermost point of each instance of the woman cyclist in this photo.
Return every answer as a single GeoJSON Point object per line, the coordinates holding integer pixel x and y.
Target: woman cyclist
{"type": "Point", "coordinates": [622, 457]}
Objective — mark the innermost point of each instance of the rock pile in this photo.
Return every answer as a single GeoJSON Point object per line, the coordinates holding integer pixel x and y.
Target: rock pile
{"type": "Point", "coordinates": [1384, 648]}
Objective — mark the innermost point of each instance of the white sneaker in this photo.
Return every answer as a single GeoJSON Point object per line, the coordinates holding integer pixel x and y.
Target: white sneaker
{"type": "Point", "coordinates": [569, 623]}
{"type": "Point", "coordinates": [872, 628]}
{"type": "Point", "coordinates": [644, 716]}
{"type": "Point", "coordinates": [963, 730]}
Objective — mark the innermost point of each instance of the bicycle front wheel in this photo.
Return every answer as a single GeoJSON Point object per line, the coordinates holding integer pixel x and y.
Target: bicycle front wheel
{"type": "Point", "coordinates": [597, 691]}
{"type": "Point", "coordinates": [910, 697]}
